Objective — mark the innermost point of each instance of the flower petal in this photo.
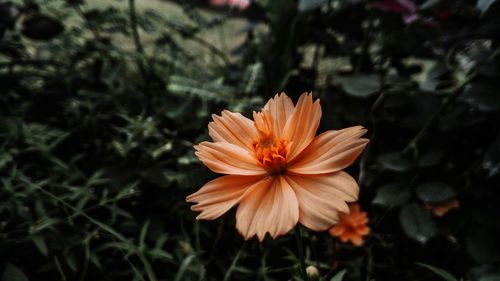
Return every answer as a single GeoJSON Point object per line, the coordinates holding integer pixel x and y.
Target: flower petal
{"type": "Point", "coordinates": [219, 195]}
{"type": "Point", "coordinates": [336, 230]}
{"type": "Point", "coordinates": [346, 236]}
{"type": "Point", "coordinates": [363, 230]}
{"type": "Point", "coordinates": [269, 206]}
{"type": "Point", "coordinates": [263, 123]}
{"type": "Point", "coordinates": [322, 197]}
{"type": "Point", "coordinates": [281, 108]}
{"type": "Point", "coordinates": [302, 125]}
{"type": "Point", "coordinates": [227, 158]}
{"type": "Point", "coordinates": [232, 128]}
{"type": "Point", "coordinates": [356, 240]}
{"type": "Point", "coordinates": [330, 152]}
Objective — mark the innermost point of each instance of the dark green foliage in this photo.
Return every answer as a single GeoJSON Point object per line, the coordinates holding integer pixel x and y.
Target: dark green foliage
{"type": "Point", "coordinates": [417, 223]}
{"type": "Point", "coordinates": [100, 107]}
{"type": "Point", "coordinates": [391, 195]}
{"type": "Point", "coordinates": [435, 192]}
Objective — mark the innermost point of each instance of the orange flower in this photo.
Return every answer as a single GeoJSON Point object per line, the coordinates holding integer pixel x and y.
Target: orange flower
{"type": "Point", "coordinates": [442, 208]}
{"type": "Point", "coordinates": [352, 226]}
{"type": "Point", "coordinates": [278, 172]}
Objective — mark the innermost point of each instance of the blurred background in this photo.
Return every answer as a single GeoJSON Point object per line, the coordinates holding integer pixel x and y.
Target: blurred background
{"type": "Point", "coordinates": [101, 103]}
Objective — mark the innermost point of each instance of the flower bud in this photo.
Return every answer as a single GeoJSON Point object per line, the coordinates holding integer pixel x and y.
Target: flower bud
{"type": "Point", "coordinates": [312, 273]}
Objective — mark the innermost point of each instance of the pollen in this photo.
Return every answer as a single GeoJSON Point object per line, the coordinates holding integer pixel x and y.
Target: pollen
{"type": "Point", "coordinates": [271, 154]}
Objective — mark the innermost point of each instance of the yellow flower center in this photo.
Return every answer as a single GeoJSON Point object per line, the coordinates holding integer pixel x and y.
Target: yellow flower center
{"type": "Point", "coordinates": [271, 154]}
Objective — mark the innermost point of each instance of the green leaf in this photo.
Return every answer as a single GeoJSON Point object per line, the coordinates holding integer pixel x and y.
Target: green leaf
{"type": "Point", "coordinates": [484, 5]}
{"type": "Point", "coordinates": [430, 158]}
{"type": "Point", "coordinates": [213, 90]}
{"type": "Point", "coordinates": [307, 5]}
{"type": "Point", "coordinates": [441, 272]}
{"type": "Point", "coordinates": [391, 195]}
{"type": "Point", "coordinates": [417, 223]}
{"type": "Point", "coordinates": [432, 75]}
{"type": "Point", "coordinates": [252, 78]}
{"type": "Point", "coordinates": [394, 161]}
{"type": "Point", "coordinates": [5, 158]}
{"type": "Point", "coordinates": [491, 161]}
{"type": "Point", "coordinates": [184, 266]}
{"type": "Point", "coordinates": [482, 245]}
{"type": "Point", "coordinates": [435, 192]}
{"type": "Point", "coordinates": [429, 4]}
{"type": "Point", "coordinates": [13, 273]}
{"type": "Point", "coordinates": [159, 253]}
{"type": "Point", "coordinates": [339, 276]}
{"type": "Point", "coordinates": [71, 261]}
{"type": "Point", "coordinates": [44, 224]}
{"type": "Point", "coordinates": [360, 85]}
{"type": "Point", "coordinates": [144, 232]}
{"type": "Point", "coordinates": [492, 277]}
{"type": "Point", "coordinates": [40, 244]}
{"type": "Point", "coordinates": [483, 96]}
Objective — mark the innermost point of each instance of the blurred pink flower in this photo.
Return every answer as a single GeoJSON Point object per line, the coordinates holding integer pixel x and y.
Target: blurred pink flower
{"type": "Point", "coordinates": [218, 2]}
{"type": "Point", "coordinates": [240, 4]}
{"type": "Point", "coordinates": [406, 8]}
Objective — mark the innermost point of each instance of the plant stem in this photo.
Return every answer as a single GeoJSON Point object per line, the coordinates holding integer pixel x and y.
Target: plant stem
{"type": "Point", "coordinates": [300, 246]}
{"type": "Point", "coordinates": [263, 270]}
{"type": "Point", "coordinates": [140, 49]}
{"type": "Point", "coordinates": [412, 145]}
{"type": "Point", "coordinates": [133, 26]}
{"type": "Point", "coordinates": [227, 276]}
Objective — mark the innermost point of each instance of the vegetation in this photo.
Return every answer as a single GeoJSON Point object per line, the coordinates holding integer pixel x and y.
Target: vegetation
{"type": "Point", "coordinates": [102, 103]}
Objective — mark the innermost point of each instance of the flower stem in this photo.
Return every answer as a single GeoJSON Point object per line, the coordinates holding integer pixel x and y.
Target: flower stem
{"type": "Point", "coordinates": [227, 276]}
{"type": "Point", "coordinates": [300, 246]}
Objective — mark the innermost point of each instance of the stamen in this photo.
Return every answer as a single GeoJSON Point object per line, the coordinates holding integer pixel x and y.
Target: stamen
{"type": "Point", "coordinates": [271, 154]}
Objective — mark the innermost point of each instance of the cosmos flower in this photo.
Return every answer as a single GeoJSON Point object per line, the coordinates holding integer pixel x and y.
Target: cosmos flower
{"type": "Point", "coordinates": [277, 171]}
{"type": "Point", "coordinates": [240, 4]}
{"type": "Point", "coordinates": [352, 226]}
{"type": "Point", "coordinates": [440, 209]}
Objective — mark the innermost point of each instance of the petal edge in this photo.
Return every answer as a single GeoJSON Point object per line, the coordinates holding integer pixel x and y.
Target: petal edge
{"type": "Point", "coordinates": [219, 195]}
{"type": "Point", "coordinates": [331, 151]}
